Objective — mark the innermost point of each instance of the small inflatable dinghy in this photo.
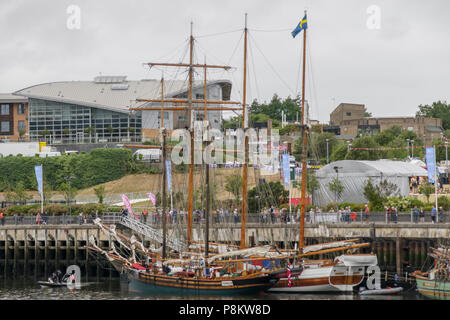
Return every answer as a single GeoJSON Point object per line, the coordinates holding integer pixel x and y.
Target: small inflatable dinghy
{"type": "Point", "coordinates": [386, 291]}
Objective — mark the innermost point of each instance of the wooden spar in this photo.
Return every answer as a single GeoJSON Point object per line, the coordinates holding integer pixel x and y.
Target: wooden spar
{"type": "Point", "coordinates": [164, 197]}
{"type": "Point", "coordinates": [169, 148]}
{"type": "Point", "coordinates": [205, 95]}
{"type": "Point", "coordinates": [304, 152]}
{"type": "Point", "coordinates": [244, 126]}
{"type": "Point", "coordinates": [185, 101]}
{"type": "Point", "coordinates": [151, 64]}
{"type": "Point", "coordinates": [207, 181]}
{"type": "Point", "coordinates": [207, 211]}
{"type": "Point", "coordinates": [184, 108]}
{"type": "Point", "coordinates": [191, 133]}
{"type": "Point", "coordinates": [355, 246]}
{"type": "Point", "coordinates": [162, 102]}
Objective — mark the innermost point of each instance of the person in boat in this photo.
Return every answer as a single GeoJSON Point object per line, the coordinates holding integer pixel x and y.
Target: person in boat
{"type": "Point", "coordinates": [59, 276]}
{"type": "Point", "coordinates": [53, 278]}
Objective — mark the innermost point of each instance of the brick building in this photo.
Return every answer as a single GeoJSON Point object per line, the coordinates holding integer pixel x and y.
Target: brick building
{"type": "Point", "coordinates": [13, 118]}
{"type": "Point", "coordinates": [348, 120]}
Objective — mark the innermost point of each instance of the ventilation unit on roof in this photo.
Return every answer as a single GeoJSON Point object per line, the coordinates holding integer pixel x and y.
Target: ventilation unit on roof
{"type": "Point", "coordinates": [120, 86]}
{"type": "Point", "coordinates": [110, 79]}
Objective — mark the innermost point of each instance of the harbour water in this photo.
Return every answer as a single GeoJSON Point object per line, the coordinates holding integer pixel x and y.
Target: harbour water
{"type": "Point", "coordinates": [28, 289]}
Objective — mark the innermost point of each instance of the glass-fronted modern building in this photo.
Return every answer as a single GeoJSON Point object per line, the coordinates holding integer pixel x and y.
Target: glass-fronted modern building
{"type": "Point", "coordinates": [106, 109]}
{"type": "Point", "coordinates": [73, 123]}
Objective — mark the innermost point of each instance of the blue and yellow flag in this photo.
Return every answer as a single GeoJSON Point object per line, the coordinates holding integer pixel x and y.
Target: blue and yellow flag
{"type": "Point", "coordinates": [303, 25]}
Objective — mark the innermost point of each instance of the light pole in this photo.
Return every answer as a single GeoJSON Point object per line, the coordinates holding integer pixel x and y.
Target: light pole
{"type": "Point", "coordinates": [327, 149]}
{"type": "Point", "coordinates": [412, 148]}
{"type": "Point", "coordinates": [69, 178]}
{"type": "Point", "coordinates": [446, 160]}
{"type": "Point", "coordinates": [407, 147]}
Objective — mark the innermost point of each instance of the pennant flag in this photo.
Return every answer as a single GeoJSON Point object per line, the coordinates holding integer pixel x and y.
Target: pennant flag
{"type": "Point", "coordinates": [302, 25]}
{"type": "Point", "coordinates": [152, 198]}
{"type": "Point", "coordinates": [127, 204]}
{"type": "Point", "coordinates": [286, 170]}
{"type": "Point", "coordinates": [169, 175]}
{"type": "Point", "coordinates": [38, 172]}
{"type": "Point", "coordinates": [431, 163]}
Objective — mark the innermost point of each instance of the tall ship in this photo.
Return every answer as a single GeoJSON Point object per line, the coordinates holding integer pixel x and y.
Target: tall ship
{"type": "Point", "coordinates": [345, 271]}
{"type": "Point", "coordinates": [435, 283]}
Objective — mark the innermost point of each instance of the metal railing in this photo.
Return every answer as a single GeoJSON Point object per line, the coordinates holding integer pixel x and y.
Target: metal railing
{"type": "Point", "coordinates": [155, 220]}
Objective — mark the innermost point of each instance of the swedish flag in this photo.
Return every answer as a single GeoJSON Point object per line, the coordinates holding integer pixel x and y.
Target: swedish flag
{"type": "Point", "coordinates": [303, 25]}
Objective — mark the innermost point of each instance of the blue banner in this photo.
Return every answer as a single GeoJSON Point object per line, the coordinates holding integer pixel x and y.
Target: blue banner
{"type": "Point", "coordinates": [38, 172]}
{"type": "Point", "coordinates": [286, 171]}
{"type": "Point", "coordinates": [169, 175]}
{"type": "Point", "coordinates": [431, 163]}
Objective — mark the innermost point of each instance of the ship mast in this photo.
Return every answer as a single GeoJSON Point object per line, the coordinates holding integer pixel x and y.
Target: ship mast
{"type": "Point", "coordinates": [189, 101]}
{"type": "Point", "coordinates": [304, 151]}
{"type": "Point", "coordinates": [244, 126]}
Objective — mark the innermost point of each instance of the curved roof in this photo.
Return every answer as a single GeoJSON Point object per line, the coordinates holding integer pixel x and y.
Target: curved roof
{"type": "Point", "coordinates": [116, 94]}
{"type": "Point", "coordinates": [365, 168]}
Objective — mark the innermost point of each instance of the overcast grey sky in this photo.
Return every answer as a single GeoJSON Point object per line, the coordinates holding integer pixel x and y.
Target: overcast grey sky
{"type": "Point", "coordinates": [393, 69]}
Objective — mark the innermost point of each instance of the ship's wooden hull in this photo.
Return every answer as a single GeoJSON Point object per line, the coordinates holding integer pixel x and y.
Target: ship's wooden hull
{"type": "Point", "coordinates": [143, 282]}
{"type": "Point", "coordinates": [322, 279]}
{"type": "Point", "coordinates": [433, 289]}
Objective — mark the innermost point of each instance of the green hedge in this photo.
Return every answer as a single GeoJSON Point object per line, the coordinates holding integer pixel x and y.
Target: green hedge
{"type": "Point", "coordinates": [59, 210]}
{"type": "Point", "coordinates": [89, 169]}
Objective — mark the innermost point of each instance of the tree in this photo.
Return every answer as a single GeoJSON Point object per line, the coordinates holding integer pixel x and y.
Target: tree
{"type": "Point", "coordinates": [100, 193]}
{"type": "Point", "coordinates": [234, 186]}
{"type": "Point", "coordinates": [364, 142]}
{"type": "Point", "coordinates": [318, 145]}
{"type": "Point", "coordinates": [68, 192]}
{"type": "Point", "coordinates": [336, 187]}
{"type": "Point", "coordinates": [427, 189]}
{"type": "Point", "coordinates": [436, 110]}
{"type": "Point", "coordinates": [378, 194]}
{"type": "Point", "coordinates": [19, 193]}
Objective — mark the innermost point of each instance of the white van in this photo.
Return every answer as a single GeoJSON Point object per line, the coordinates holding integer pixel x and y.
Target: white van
{"type": "Point", "coordinates": [150, 155]}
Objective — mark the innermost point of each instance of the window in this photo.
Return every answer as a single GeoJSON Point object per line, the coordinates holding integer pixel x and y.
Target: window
{"type": "Point", "coordinates": [21, 125]}
{"type": "Point", "coordinates": [348, 114]}
{"type": "Point", "coordinates": [21, 108]}
{"type": "Point", "coordinates": [181, 118]}
{"type": "Point", "coordinates": [5, 126]}
{"type": "Point", "coordinates": [5, 109]}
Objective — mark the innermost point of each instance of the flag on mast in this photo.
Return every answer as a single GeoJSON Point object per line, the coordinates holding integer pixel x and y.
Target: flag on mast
{"type": "Point", "coordinates": [302, 25]}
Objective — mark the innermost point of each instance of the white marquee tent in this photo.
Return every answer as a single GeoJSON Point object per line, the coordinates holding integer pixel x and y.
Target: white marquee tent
{"type": "Point", "coordinates": [354, 174]}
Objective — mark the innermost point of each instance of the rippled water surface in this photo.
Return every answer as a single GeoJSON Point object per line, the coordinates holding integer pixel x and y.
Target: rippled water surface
{"type": "Point", "coordinates": [20, 289]}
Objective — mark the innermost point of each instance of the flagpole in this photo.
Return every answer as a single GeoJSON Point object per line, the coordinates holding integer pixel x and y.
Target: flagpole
{"type": "Point", "coordinates": [304, 150]}
{"type": "Point", "coordinates": [435, 185]}
{"type": "Point", "coordinates": [42, 191]}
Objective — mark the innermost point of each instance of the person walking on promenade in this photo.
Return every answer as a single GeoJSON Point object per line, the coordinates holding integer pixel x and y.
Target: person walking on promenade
{"type": "Point", "coordinates": [422, 215]}
{"type": "Point", "coordinates": [366, 213]}
{"type": "Point", "coordinates": [415, 214]}
{"type": "Point", "coordinates": [2, 217]}
{"type": "Point", "coordinates": [433, 214]}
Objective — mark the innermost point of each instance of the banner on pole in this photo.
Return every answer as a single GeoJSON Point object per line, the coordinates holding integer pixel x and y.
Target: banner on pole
{"type": "Point", "coordinates": [286, 170]}
{"type": "Point", "coordinates": [431, 164]}
{"type": "Point", "coordinates": [152, 197]}
{"type": "Point", "coordinates": [38, 172]}
{"type": "Point", "coordinates": [127, 204]}
{"type": "Point", "coordinates": [169, 175]}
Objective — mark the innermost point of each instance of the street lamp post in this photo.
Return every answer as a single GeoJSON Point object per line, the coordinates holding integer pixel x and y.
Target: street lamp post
{"type": "Point", "coordinates": [412, 148]}
{"type": "Point", "coordinates": [407, 147]}
{"type": "Point", "coordinates": [446, 160]}
{"type": "Point", "coordinates": [69, 178]}
{"type": "Point", "coordinates": [327, 149]}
